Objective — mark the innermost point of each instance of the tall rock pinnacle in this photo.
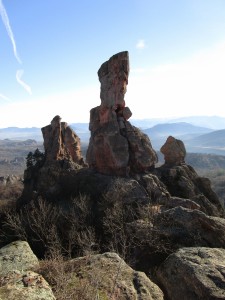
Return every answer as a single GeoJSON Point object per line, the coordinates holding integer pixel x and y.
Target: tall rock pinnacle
{"type": "Point", "coordinates": [116, 147]}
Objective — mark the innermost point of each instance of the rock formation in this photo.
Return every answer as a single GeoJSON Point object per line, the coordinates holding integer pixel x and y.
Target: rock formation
{"type": "Point", "coordinates": [145, 217]}
{"type": "Point", "coordinates": [62, 153]}
{"type": "Point", "coordinates": [174, 151]}
{"type": "Point", "coordinates": [184, 182]}
{"type": "Point", "coordinates": [61, 142]}
{"type": "Point", "coordinates": [187, 227]}
{"type": "Point", "coordinates": [116, 147]}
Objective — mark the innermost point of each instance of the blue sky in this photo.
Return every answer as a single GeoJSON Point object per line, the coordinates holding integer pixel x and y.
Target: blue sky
{"type": "Point", "coordinates": [51, 50]}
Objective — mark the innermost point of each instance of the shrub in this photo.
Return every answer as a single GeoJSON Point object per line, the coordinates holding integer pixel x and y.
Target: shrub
{"type": "Point", "coordinates": [49, 228]}
{"type": "Point", "coordinates": [36, 159]}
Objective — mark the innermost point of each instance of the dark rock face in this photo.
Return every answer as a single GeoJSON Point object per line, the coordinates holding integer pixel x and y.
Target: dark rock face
{"type": "Point", "coordinates": [187, 227]}
{"type": "Point", "coordinates": [199, 272]}
{"type": "Point", "coordinates": [116, 147]}
{"type": "Point", "coordinates": [183, 181]}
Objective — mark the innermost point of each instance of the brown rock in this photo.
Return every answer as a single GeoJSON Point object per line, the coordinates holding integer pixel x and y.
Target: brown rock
{"type": "Point", "coordinates": [174, 151]}
{"type": "Point", "coordinates": [113, 75]}
{"type": "Point", "coordinates": [116, 147]}
{"type": "Point", "coordinates": [61, 142]}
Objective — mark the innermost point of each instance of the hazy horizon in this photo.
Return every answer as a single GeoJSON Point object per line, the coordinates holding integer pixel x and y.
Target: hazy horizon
{"type": "Point", "coordinates": [217, 122]}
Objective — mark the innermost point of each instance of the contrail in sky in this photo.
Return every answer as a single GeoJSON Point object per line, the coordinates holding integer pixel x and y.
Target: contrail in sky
{"type": "Point", "coordinates": [4, 97]}
{"type": "Point", "coordinates": [5, 21]}
{"type": "Point", "coordinates": [19, 75]}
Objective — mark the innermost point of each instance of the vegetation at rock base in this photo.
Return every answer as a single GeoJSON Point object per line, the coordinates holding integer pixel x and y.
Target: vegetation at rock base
{"type": "Point", "coordinates": [92, 214]}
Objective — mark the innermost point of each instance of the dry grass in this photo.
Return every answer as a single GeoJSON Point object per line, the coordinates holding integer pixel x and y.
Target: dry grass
{"type": "Point", "coordinates": [70, 281]}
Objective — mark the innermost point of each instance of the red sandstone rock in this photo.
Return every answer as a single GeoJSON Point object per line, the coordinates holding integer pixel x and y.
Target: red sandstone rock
{"type": "Point", "coordinates": [61, 142]}
{"type": "Point", "coordinates": [174, 151]}
{"type": "Point", "coordinates": [116, 147]}
{"type": "Point", "coordinates": [113, 75]}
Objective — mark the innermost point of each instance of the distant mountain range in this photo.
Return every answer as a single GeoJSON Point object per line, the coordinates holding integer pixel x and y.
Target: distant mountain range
{"type": "Point", "coordinates": [196, 139]}
{"type": "Point", "coordinates": [212, 122]}
{"type": "Point", "coordinates": [179, 128]}
{"type": "Point", "coordinates": [201, 134]}
{"type": "Point", "coordinates": [16, 133]}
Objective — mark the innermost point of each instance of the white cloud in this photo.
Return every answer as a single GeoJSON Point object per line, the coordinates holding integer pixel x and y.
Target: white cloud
{"type": "Point", "coordinates": [19, 75]}
{"type": "Point", "coordinates": [5, 21]}
{"type": "Point", "coordinates": [141, 44]}
{"type": "Point", "coordinates": [4, 98]}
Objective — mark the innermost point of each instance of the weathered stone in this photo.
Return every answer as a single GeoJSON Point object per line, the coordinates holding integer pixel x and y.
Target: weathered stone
{"type": "Point", "coordinates": [25, 285]}
{"type": "Point", "coordinates": [16, 256]}
{"type": "Point", "coordinates": [116, 147]}
{"type": "Point", "coordinates": [61, 142]}
{"type": "Point", "coordinates": [113, 75]}
{"type": "Point", "coordinates": [194, 273]}
{"type": "Point", "coordinates": [174, 151]}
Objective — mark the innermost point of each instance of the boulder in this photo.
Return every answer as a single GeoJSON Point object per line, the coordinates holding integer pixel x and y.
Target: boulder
{"type": "Point", "coordinates": [25, 285]}
{"type": "Point", "coordinates": [116, 147]}
{"type": "Point", "coordinates": [174, 151]}
{"type": "Point", "coordinates": [16, 281]}
{"type": "Point", "coordinates": [17, 256]}
{"type": "Point", "coordinates": [193, 273]}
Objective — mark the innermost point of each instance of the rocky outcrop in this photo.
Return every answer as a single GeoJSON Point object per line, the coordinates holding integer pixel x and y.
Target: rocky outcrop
{"type": "Point", "coordinates": [116, 147]}
{"type": "Point", "coordinates": [16, 281]}
{"type": "Point", "coordinates": [174, 151]}
{"type": "Point", "coordinates": [183, 181]}
{"type": "Point", "coordinates": [62, 153]}
{"type": "Point", "coordinates": [194, 273]}
{"type": "Point", "coordinates": [187, 227]}
{"type": "Point", "coordinates": [61, 142]}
